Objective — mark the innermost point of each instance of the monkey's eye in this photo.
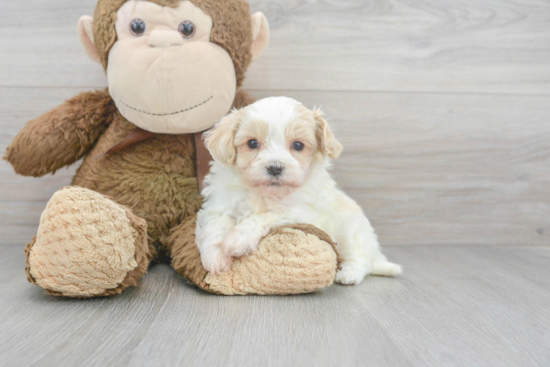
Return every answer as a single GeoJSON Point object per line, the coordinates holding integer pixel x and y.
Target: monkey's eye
{"type": "Point", "coordinates": [253, 144]}
{"type": "Point", "coordinates": [187, 29]}
{"type": "Point", "coordinates": [138, 27]}
{"type": "Point", "coordinates": [298, 146]}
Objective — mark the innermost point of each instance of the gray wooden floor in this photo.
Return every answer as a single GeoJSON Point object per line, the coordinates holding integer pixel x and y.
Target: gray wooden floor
{"type": "Point", "coordinates": [443, 107]}
{"type": "Point", "coordinates": [455, 306]}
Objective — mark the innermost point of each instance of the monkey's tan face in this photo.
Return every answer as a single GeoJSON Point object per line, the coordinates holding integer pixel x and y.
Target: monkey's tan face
{"type": "Point", "coordinates": [164, 74]}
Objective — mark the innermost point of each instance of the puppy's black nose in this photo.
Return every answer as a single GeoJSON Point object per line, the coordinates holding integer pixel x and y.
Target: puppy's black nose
{"type": "Point", "coordinates": [274, 170]}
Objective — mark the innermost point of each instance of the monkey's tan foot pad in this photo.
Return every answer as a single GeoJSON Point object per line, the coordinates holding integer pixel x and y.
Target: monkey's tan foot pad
{"type": "Point", "coordinates": [87, 246]}
{"type": "Point", "coordinates": [292, 259]}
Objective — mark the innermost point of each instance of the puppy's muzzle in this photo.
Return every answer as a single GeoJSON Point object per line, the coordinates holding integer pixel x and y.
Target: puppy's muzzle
{"type": "Point", "coordinates": [275, 170]}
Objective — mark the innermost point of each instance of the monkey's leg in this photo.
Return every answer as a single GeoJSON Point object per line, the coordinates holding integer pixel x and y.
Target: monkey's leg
{"type": "Point", "coordinates": [290, 260]}
{"type": "Point", "coordinates": [87, 246]}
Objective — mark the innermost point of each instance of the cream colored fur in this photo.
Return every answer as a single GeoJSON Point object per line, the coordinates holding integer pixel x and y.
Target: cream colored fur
{"type": "Point", "coordinates": [244, 200]}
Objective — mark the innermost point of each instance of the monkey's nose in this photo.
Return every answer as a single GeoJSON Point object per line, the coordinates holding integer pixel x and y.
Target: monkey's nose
{"type": "Point", "coordinates": [275, 170]}
{"type": "Point", "coordinates": [164, 38]}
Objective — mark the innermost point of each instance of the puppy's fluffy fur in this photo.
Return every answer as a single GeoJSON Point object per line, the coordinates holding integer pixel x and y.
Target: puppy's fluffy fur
{"type": "Point", "coordinates": [271, 168]}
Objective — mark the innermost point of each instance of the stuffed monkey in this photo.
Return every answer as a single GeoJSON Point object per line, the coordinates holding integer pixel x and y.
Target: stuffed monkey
{"type": "Point", "coordinates": [174, 68]}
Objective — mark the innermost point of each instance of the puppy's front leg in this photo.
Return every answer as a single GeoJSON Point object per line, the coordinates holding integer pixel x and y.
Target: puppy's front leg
{"type": "Point", "coordinates": [210, 232]}
{"type": "Point", "coordinates": [245, 236]}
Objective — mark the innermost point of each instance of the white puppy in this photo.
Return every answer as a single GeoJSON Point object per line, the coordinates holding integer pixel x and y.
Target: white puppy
{"type": "Point", "coordinates": [271, 168]}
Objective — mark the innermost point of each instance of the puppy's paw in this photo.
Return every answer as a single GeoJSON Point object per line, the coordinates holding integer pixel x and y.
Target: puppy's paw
{"type": "Point", "coordinates": [239, 242]}
{"type": "Point", "coordinates": [350, 275]}
{"type": "Point", "coordinates": [215, 261]}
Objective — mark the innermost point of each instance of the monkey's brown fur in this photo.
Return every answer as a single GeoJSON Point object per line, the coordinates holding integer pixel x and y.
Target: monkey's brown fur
{"type": "Point", "coordinates": [156, 178]}
{"type": "Point", "coordinates": [231, 30]}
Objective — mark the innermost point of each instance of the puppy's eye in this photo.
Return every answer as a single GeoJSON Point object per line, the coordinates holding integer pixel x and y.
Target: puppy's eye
{"type": "Point", "coordinates": [187, 29]}
{"type": "Point", "coordinates": [253, 144]}
{"type": "Point", "coordinates": [298, 146]}
{"type": "Point", "coordinates": [137, 27]}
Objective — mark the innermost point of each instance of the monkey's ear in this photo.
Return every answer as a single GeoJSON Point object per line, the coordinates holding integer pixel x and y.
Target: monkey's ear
{"type": "Point", "coordinates": [221, 138]}
{"type": "Point", "coordinates": [86, 35]}
{"type": "Point", "coordinates": [260, 35]}
{"type": "Point", "coordinates": [328, 145]}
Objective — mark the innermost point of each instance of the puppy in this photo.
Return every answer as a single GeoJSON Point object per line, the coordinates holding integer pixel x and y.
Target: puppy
{"type": "Point", "coordinates": [271, 169]}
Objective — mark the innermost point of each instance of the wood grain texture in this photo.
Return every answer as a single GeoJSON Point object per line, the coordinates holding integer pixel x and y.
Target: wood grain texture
{"type": "Point", "coordinates": [397, 45]}
{"type": "Point", "coordinates": [427, 168]}
{"type": "Point", "coordinates": [362, 45]}
{"type": "Point", "coordinates": [444, 169]}
{"type": "Point", "coordinates": [455, 306]}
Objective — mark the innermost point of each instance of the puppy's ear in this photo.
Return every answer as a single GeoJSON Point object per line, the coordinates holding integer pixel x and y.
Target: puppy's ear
{"type": "Point", "coordinates": [220, 139]}
{"type": "Point", "coordinates": [328, 145]}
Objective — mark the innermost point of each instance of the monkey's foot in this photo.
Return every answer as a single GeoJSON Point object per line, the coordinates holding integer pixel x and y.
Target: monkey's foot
{"type": "Point", "coordinates": [87, 246]}
{"type": "Point", "coordinates": [290, 260]}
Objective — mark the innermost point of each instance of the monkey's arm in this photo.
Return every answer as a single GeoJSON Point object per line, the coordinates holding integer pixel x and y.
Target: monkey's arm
{"type": "Point", "coordinates": [61, 136]}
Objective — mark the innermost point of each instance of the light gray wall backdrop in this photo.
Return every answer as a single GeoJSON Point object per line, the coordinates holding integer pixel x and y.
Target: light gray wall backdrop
{"type": "Point", "coordinates": [443, 107]}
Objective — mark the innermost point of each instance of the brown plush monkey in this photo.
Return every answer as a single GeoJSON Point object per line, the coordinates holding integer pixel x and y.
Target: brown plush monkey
{"type": "Point", "coordinates": [174, 69]}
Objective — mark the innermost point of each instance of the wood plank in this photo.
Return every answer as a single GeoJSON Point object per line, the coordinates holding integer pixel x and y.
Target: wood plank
{"type": "Point", "coordinates": [427, 168]}
{"type": "Point", "coordinates": [40, 45]}
{"type": "Point", "coordinates": [454, 306]}
{"type": "Point", "coordinates": [444, 169]}
{"type": "Point", "coordinates": [385, 45]}
{"type": "Point", "coordinates": [290, 337]}
{"type": "Point", "coordinates": [394, 45]}
{"type": "Point", "coordinates": [19, 221]}
{"type": "Point", "coordinates": [487, 307]}
{"type": "Point", "coordinates": [55, 331]}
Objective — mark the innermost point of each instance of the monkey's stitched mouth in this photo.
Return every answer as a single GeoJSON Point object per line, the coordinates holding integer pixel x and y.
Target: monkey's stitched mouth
{"type": "Point", "coordinates": [168, 114]}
